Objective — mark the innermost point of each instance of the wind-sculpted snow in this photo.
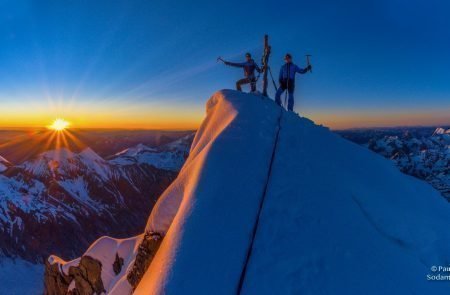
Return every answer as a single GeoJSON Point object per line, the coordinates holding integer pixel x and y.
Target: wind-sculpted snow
{"type": "Point", "coordinates": [208, 212]}
{"type": "Point", "coordinates": [335, 218]}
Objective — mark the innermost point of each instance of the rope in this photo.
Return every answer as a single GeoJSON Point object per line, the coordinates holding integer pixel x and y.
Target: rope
{"type": "Point", "coordinates": [261, 204]}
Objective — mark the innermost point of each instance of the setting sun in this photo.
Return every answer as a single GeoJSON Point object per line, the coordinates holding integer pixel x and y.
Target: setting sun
{"type": "Point", "coordinates": [59, 125]}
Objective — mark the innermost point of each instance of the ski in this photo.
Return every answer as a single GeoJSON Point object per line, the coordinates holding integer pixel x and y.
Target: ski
{"type": "Point", "coordinates": [265, 63]}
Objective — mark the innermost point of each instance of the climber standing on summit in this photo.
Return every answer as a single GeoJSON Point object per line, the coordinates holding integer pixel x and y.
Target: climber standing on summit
{"type": "Point", "coordinates": [287, 80]}
{"type": "Point", "coordinates": [249, 71]}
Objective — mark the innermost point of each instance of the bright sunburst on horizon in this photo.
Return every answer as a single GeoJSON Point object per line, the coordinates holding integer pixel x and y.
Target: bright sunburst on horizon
{"type": "Point", "coordinates": [59, 125]}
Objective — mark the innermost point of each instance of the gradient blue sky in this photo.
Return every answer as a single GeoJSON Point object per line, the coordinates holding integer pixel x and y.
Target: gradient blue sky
{"type": "Point", "coordinates": [152, 64]}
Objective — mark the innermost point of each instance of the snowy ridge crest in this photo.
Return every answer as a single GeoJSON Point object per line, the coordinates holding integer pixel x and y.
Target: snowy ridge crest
{"type": "Point", "coordinates": [322, 192]}
{"type": "Point", "coordinates": [331, 209]}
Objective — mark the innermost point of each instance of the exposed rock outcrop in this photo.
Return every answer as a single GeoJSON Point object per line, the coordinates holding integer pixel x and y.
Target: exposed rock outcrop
{"type": "Point", "coordinates": [117, 265]}
{"type": "Point", "coordinates": [87, 277]}
{"type": "Point", "coordinates": [55, 281]}
{"type": "Point", "coordinates": [84, 279]}
{"type": "Point", "coordinates": [146, 252]}
{"type": "Point", "coordinates": [84, 275]}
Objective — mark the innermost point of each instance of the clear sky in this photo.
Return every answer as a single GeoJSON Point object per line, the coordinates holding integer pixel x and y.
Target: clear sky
{"type": "Point", "coordinates": [152, 64]}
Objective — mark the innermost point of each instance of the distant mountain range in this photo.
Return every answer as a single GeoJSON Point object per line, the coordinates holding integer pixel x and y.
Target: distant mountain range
{"type": "Point", "coordinates": [419, 152]}
{"type": "Point", "coordinates": [60, 201]}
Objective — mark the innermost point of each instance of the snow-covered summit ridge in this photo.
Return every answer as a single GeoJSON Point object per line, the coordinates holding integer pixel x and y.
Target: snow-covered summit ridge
{"type": "Point", "coordinates": [331, 209]}
{"type": "Point", "coordinates": [335, 218]}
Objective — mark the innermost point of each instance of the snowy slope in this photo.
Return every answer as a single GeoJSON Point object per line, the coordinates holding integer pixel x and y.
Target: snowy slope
{"type": "Point", "coordinates": [332, 210]}
{"type": "Point", "coordinates": [336, 218]}
{"type": "Point", "coordinates": [218, 138]}
{"type": "Point", "coordinates": [217, 192]}
{"type": "Point", "coordinates": [348, 219]}
{"type": "Point", "coordinates": [19, 277]}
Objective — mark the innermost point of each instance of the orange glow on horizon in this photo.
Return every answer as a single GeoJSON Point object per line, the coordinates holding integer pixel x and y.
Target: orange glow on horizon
{"type": "Point", "coordinates": [347, 120]}
{"type": "Point", "coordinates": [97, 115]}
{"type": "Point", "coordinates": [182, 116]}
{"type": "Point", "coordinates": [103, 122]}
{"type": "Point", "coordinates": [333, 121]}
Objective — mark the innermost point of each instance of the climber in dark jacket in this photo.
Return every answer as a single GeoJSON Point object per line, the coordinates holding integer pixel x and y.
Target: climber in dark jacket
{"type": "Point", "coordinates": [249, 71]}
{"type": "Point", "coordinates": [287, 80]}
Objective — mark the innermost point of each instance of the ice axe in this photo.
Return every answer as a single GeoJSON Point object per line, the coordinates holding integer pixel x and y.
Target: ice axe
{"type": "Point", "coordinates": [308, 62]}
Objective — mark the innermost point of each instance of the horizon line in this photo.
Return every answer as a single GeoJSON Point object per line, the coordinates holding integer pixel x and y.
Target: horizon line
{"type": "Point", "coordinates": [4, 128]}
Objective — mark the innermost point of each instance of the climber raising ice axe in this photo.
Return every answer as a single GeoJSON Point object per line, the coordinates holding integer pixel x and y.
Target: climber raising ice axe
{"type": "Point", "coordinates": [249, 67]}
{"type": "Point", "coordinates": [287, 79]}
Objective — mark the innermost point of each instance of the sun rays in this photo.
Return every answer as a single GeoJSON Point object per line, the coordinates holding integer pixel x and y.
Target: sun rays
{"type": "Point", "coordinates": [28, 144]}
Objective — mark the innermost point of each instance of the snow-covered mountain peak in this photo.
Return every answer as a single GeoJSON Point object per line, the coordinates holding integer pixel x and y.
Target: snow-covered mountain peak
{"type": "Point", "coordinates": [60, 154]}
{"type": "Point", "coordinates": [440, 131]}
{"type": "Point", "coordinates": [180, 144]}
{"type": "Point", "coordinates": [133, 151]}
{"type": "Point", "coordinates": [270, 203]}
{"type": "Point", "coordinates": [169, 157]}
{"type": "Point", "coordinates": [61, 163]}
{"type": "Point", "coordinates": [4, 164]}
{"type": "Point", "coordinates": [88, 153]}
{"type": "Point", "coordinates": [61, 191]}
{"type": "Point", "coordinates": [3, 160]}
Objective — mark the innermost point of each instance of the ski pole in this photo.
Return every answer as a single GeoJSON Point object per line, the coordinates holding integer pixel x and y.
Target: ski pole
{"type": "Point", "coordinates": [307, 61]}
